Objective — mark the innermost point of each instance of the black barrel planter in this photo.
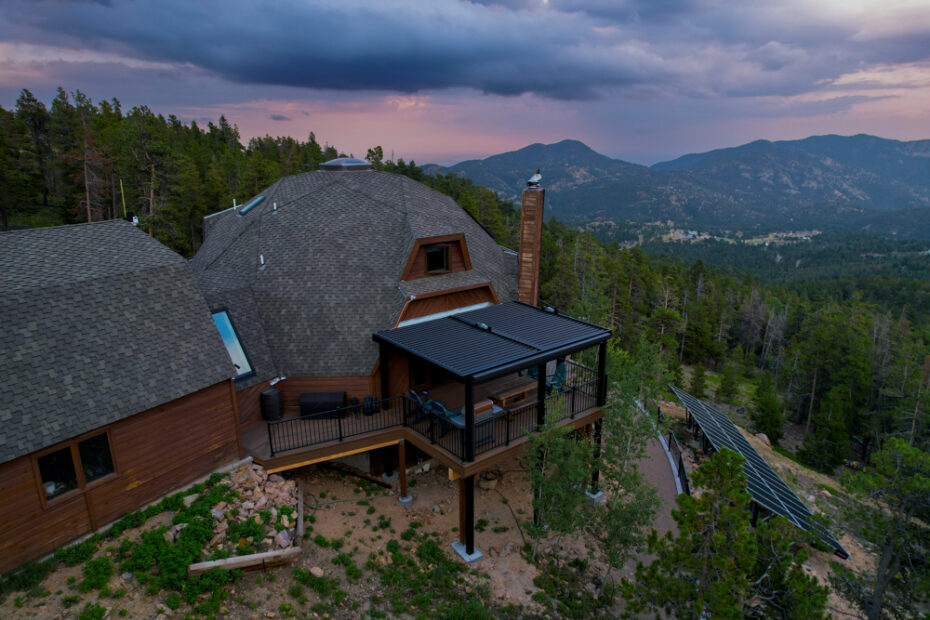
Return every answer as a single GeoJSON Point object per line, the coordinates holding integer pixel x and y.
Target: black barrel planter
{"type": "Point", "coordinates": [271, 405]}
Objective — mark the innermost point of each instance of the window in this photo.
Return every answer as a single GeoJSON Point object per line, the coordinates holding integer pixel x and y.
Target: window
{"type": "Point", "coordinates": [233, 347]}
{"type": "Point", "coordinates": [59, 469]}
{"type": "Point", "coordinates": [437, 259]}
{"type": "Point", "coordinates": [95, 457]}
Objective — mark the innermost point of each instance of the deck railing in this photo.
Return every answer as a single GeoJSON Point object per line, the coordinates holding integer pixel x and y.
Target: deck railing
{"type": "Point", "coordinates": [336, 425]}
{"type": "Point", "coordinates": [578, 393]}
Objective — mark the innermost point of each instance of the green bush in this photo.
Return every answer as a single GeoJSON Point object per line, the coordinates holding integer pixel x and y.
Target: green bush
{"type": "Point", "coordinates": [97, 573]}
{"type": "Point", "coordinates": [92, 611]}
{"type": "Point", "coordinates": [76, 554]}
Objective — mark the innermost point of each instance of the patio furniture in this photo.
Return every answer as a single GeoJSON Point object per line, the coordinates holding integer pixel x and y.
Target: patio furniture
{"type": "Point", "coordinates": [370, 405]}
{"type": "Point", "coordinates": [484, 423]}
{"type": "Point", "coordinates": [557, 379]}
{"type": "Point", "coordinates": [511, 390]}
{"type": "Point", "coordinates": [270, 403]}
{"type": "Point", "coordinates": [323, 405]}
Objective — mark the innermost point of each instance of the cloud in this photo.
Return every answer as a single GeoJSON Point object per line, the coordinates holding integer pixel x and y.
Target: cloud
{"type": "Point", "coordinates": [279, 117]}
{"type": "Point", "coordinates": [560, 49]}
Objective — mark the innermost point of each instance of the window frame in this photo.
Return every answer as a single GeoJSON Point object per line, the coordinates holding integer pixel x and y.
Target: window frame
{"type": "Point", "coordinates": [82, 485]}
{"type": "Point", "coordinates": [248, 360]}
{"type": "Point", "coordinates": [445, 253]}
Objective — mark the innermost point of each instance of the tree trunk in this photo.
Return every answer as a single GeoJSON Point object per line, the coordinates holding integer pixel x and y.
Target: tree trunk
{"type": "Point", "coordinates": [151, 198]}
{"type": "Point", "coordinates": [810, 408]}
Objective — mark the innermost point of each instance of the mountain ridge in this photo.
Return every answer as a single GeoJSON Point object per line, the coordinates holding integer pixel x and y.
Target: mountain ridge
{"type": "Point", "coordinates": [829, 181]}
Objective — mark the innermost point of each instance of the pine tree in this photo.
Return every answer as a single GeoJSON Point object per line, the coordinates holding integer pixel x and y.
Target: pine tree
{"type": "Point", "coordinates": [704, 570]}
{"type": "Point", "coordinates": [766, 412]}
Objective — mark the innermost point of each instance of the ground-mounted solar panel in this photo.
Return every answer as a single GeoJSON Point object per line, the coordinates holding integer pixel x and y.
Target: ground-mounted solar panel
{"type": "Point", "coordinates": [766, 487]}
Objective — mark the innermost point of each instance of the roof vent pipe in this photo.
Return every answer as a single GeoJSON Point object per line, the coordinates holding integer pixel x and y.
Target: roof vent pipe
{"type": "Point", "coordinates": [275, 208]}
{"type": "Point", "coordinates": [261, 262]}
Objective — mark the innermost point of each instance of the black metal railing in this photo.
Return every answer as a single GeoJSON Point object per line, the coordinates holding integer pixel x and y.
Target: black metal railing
{"type": "Point", "coordinates": [674, 449]}
{"type": "Point", "coordinates": [578, 393]}
{"type": "Point", "coordinates": [336, 425]}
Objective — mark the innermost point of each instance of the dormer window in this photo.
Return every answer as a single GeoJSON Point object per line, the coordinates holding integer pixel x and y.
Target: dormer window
{"type": "Point", "coordinates": [437, 259]}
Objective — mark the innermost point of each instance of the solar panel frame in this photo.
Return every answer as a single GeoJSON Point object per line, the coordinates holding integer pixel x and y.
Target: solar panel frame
{"type": "Point", "coordinates": [765, 486]}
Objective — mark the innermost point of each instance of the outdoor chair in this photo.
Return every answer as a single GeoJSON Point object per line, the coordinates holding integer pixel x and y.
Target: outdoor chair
{"type": "Point", "coordinates": [557, 379]}
{"type": "Point", "coordinates": [419, 409]}
{"type": "Point", "coordinates": [442, 415]}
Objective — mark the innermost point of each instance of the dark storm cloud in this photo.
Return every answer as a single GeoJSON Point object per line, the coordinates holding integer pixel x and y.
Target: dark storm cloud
{"type": "Point", "coordinates": [561, 49]}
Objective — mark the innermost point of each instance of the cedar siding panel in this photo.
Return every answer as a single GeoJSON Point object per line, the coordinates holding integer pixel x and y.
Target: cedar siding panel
{"type": "Point", "coordinates": [293, 387]}
{"type": "Point", "coordinates": [154, 452]}
{"type": "Point", "coordinates": [441, 303]}
{"type": "Point", "coordinates": [249, 402]}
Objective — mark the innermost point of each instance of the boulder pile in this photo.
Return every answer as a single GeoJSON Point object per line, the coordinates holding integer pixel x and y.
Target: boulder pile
{"type": "Point", "coordinates": [270, 501]}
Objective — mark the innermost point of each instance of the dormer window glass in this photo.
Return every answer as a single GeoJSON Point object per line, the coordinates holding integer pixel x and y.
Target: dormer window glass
{"type": "Point", "coordinates": [437, 259]}
{"type": "Point", "coordinates": [233, 346]}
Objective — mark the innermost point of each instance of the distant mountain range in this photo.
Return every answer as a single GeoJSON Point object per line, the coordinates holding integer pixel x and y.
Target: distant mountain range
{"type": "Point", "coordinates": [832, 182]}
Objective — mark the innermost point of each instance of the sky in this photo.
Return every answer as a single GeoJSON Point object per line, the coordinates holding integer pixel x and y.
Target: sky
{"type": "Point", "coordinates": [446, 80]}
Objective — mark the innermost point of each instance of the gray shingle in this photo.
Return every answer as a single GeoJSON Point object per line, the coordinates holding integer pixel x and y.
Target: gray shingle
{"type": "Point", "coordinates": [334, 253]}
{"type": "Point", "coordinates": [100, 322]}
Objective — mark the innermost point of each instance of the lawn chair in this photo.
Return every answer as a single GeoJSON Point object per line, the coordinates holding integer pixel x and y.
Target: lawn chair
{"type": "Point", "coordinates": [441, 415]}
{"type": "Point", "coordinates": [419, 407]}
{"type": "Point", "coordinates": [557, 379]}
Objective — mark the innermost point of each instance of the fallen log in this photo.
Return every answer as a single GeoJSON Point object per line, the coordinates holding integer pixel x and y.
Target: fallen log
{"type": "Point", "coordinates": [266, 559]}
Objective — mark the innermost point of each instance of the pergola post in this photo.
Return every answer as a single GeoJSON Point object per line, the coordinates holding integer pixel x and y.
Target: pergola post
{"type": "Point", "coordinates": [384, 352]}
{"type": "Point", "coordinates": [469, 420]}
{"type": "Point", "coordinates": [540, 396]}
{"type": "Point", "coordinates": [602, 374]}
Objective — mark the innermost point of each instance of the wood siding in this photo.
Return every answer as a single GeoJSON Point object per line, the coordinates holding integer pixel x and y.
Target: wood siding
{"type": "Point", "coordinates": [448, 300]}
{"type": "Point", "coordinates": [458, 256]}
{"type": "Point", "coordinates": [293, 387]}
{"type": "Point", "coordinates": [154, 452]}
{"type": "Point", "coordinates": [249, 403]}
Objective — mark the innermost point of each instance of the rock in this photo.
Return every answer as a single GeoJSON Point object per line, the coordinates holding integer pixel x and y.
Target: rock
{"type": "Point", "coordinates": [275, 479]}
{"type": "Point", "coordinates": [221, 506]}
{"type": "Point", "coordinates": [248, 506]}
{"type": "Point", "coordinates": [217, 539]}
{"type": "Point", "coordinates": [764, 439]}
{"type": "Point", "coordinates": [826, 493]}
{"type": "Point", "coordinates": [219, 515]}
{"type": "Point", "coordinates": [283, 539]}
{"type": "Point", "coordinates": [127, 577]}
{"type": "Point", "coordinates": [811, 498]}
{"type": "Point", "coordinates": [316, 571]}
{"type": "Point", "coordinates": [436, 508]}
{"type": "Point", "coordinates": [487, 485]}
{"type": "Point", "coordinates": [189, 499]}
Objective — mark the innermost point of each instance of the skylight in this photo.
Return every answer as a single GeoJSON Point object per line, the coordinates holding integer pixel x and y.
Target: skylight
{"type": "Point", "coordinates": [233, 347]}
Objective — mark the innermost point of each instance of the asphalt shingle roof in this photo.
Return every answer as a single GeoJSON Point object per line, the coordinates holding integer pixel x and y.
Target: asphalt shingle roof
{"type": "Point", "coordinates": [100, 322]}
{"type": "Point", "coordinates": [334, 253]}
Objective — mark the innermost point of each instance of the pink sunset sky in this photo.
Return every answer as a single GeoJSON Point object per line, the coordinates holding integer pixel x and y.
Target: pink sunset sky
{"type": "Point", "coordinates": [447, 80]}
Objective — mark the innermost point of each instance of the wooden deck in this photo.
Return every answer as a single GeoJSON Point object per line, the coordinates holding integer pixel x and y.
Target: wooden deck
{"type": "Point", "coordinates": [255, 442]}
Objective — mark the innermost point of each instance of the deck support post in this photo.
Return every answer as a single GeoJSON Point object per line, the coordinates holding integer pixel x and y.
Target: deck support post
{"type": "Point", "coordinates": [404, 498]}
{"type": "Point", "coordinates": [465, 546]}
{"type": "Point", "coordinates": [595, 492]}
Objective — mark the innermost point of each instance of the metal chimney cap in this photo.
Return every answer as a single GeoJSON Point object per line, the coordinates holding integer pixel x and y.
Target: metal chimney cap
{"type": "Point", "coordinates": [345, 164]}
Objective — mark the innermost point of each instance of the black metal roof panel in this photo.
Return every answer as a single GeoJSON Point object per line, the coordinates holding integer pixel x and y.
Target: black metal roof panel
{"type": "Point", "coordinates": [499, 336]}
{"type": "Point", "coordinates": [765, 486]}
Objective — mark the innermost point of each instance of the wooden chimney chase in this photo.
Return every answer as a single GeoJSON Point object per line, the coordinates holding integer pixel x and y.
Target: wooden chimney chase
{"type": "Point", "coordinates": [531, 221]}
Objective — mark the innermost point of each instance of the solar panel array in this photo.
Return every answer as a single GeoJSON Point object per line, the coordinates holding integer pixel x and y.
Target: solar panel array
{"type": "Point", "coordinates": [766, 487]}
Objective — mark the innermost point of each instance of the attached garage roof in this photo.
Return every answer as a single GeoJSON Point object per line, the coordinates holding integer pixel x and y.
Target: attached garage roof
{"type": "Point", "coordinates": [492, 341]}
